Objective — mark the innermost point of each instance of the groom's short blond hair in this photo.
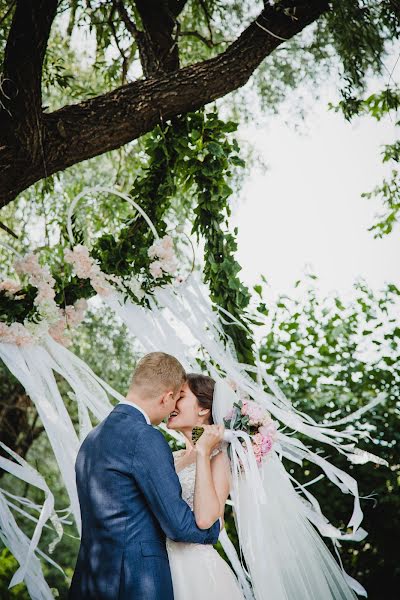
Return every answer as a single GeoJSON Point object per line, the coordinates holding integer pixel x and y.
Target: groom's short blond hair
{"type": "Point", "coordinates": [157, 373]}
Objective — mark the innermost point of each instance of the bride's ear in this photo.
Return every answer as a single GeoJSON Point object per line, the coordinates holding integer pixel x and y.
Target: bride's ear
{"type": "Point", "coordinates": [203, 412]}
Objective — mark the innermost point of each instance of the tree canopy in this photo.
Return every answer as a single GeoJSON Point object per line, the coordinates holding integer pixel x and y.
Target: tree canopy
{"type": "Point", "coordinates": [171, 57]}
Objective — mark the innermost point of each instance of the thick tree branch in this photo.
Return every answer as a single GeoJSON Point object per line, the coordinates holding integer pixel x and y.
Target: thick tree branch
{"type": "Point", "coordinates": [206, 41]}
{"type": "Point", "coordinates": [78, 132]}
{"type": "Point", "coordinates": [21, 98]}
{"type": "Point", "coordinates": [158, 50]}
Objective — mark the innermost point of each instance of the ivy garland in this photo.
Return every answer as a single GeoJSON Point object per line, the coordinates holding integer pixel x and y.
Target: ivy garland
{"type": "Point", "coordinates": [205, 164]}
{"type": "Point", "coordinates": [195, 155]}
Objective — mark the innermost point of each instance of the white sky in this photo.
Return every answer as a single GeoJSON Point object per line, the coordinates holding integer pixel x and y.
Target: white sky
{"type": "Point", "coordinates": [307, 208]}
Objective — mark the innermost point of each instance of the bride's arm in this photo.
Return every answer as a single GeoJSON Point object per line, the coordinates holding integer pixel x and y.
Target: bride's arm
{"type": "Point", "coordinates": [212, 478]}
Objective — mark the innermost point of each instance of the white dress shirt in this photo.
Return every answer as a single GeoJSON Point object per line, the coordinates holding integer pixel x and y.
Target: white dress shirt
{"type": "Point", "coordinates": [146, 416]}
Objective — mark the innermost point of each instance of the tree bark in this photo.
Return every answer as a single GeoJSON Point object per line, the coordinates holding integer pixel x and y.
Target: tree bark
{"type": "Point", "coordinates": [21, 115]}
{"type": "Point", "coordinates": [78, 132]}
{"type": "Point", "coordinates": [18, 421]}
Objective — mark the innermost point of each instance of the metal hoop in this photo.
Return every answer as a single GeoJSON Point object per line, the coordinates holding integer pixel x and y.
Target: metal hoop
{"type": "Point", "coordinates": [11, 249]}
{"type": "Point", "coordinates": [96, 188]}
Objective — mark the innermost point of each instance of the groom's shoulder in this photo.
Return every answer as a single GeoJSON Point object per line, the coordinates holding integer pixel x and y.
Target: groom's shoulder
{"type": "Point", "coordinates": [150, 438]}
{"type": "Point", "coordinates": [124, 423]}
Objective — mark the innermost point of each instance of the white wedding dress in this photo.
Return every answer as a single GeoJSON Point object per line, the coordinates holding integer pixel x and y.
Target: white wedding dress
{"type": "Point", "coordinates": [197, 570]}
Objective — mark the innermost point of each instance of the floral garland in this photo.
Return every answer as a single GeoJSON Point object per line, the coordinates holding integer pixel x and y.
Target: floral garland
{"type": "Point", "coordinates": [193, 152]}
{"type": "Point", "coordinates": [45, 316]}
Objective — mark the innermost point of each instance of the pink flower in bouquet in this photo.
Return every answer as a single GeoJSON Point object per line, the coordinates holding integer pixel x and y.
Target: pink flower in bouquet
{"type": "Point", "coordinates": [266, 445]}
{"type": "Point", "coordinates": [244, 409]}
{"type": "Point", "coordinates": [257, 450]}
{"type": "Point", "coordinates": [269, 430]}
{"type": "Point", "coordinates": [255, 412]}
{"type": "Point", "coordinates": [257, 439]}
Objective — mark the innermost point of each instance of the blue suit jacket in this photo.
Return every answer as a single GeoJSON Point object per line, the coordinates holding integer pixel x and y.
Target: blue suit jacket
{"type": "Point", "coordinates": [130, 500]}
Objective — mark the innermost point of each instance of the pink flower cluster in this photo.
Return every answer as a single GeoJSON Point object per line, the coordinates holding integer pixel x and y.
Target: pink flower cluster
{"type": "Point", "coordinates": [254, 411]}
{"type": "Point", "coordinates": [16, 333]}
{"type": "Point", "coordinates": [38, 276]}
{"type": "Point", "coordinates": [267, 431]}
{"type": "Point", "coordinates": [86, 267]}
{"type": "Point", "coordinates": [257, 422]}
{"type": "Point", "coordinates": [165, 259]}
{"type": "Point", "coordinates": [262, 445]}
{"type": "Point", "coordinates": [10, 287]}
{"type": "Point", "coordinates": [54, 320]}
{"type": "Point", "coordinates": [71, 317]}
{"type": "Point", "coordinates": [41, 278]}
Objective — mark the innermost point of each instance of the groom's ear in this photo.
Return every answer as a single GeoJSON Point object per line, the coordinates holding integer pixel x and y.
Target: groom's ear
{"type": "Point", "coordinates": [166, 397]}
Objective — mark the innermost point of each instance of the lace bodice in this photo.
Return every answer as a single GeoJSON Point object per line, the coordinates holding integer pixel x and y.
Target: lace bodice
{"type": "Point", "coordinates": [187, 477]}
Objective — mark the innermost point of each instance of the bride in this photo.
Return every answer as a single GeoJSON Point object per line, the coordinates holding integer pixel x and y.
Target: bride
{"type": "Point", "coordinates": [295, 564]}
{"type": "Point", "coordinates": [197, 570]}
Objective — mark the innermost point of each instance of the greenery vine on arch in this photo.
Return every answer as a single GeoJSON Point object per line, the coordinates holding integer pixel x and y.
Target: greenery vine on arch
{"type": "Point", "coordinates": [194, 155]}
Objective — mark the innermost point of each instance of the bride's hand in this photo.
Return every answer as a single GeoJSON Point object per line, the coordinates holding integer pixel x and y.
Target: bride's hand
{"type": "Point", "coordinates": [212, 436]}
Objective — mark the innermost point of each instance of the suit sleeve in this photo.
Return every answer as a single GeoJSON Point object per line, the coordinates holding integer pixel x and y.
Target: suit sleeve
{"type": "Point", "coordinates": [154, 472]}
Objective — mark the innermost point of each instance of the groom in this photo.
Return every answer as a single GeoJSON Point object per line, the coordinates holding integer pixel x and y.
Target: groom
{"type": "Point", "coordinates": [130, 495]}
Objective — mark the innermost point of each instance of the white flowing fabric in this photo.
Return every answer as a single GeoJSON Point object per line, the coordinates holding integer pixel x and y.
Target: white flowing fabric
{"type": "Point", "coordinates": [11, 535]}
{"type": "Point", "coordinates": [189, 328]}
{"type": "Point", "coordinates": [19, 545]}
{"type": "Point", "coordinates": [35, 367]}
{"type": "Point", "coordinates": [285, 556]}
{"type": "Point", "coordinates": [181, 321]}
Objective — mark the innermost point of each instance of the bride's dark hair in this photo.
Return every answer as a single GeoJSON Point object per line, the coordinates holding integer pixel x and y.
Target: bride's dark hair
{"type": "Point", "coordinates": [202, 386]}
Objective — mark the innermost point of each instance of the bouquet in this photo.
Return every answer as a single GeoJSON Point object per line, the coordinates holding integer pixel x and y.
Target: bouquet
{"type": "Point", "coordinates": [251, 417]}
